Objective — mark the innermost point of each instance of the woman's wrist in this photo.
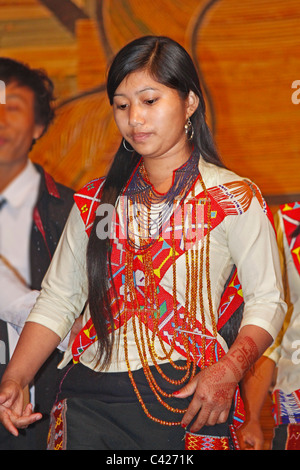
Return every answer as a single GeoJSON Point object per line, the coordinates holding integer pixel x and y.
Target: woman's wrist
{"type": "Point", "coordinates": [241, 357]}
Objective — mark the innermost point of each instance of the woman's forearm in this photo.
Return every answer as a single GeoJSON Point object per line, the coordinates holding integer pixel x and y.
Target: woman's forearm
{"type": "Point", "coordinates": [249, 345]}
{"type": "Point", "coordinates": [35, 345]}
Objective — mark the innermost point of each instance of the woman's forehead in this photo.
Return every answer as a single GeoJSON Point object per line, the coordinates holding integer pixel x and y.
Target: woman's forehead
{"type": "Point", "coordinates": [139, 82]}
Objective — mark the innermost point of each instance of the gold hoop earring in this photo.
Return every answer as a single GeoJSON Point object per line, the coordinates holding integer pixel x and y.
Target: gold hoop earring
{"type": "Point", "coordinates": [124, 145]}
{"type": "Point", "coordinates": [189, 129]}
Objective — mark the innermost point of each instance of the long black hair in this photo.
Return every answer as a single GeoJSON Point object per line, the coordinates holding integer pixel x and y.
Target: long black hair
{"type": "Point", "coordinates": [169, 64]}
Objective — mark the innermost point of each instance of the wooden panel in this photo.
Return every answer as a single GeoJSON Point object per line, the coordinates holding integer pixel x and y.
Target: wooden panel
{"type": "Point", "coordinates": [91, 56]}
{"type": "Point", "coordinates": [249, 62]}
{"type": "Point", "coordinates": [67, 13]}
{"type": "Point", "coordinates": [127, 20]}
{"type": "Point", "coordinates": [54, 58]}
{"type": "Point", "coordinates": [18, 3]}
{"type": "Point", "coordinates": [23, 12]}
{"type": "Point", "coordinates": [60, 62]}
{"type": "Point", "coordinates": [79, 146]}
{"type": "Point", "coordinates": [29, 32]}
{"type": "Point", "coordinates": [246, 52]}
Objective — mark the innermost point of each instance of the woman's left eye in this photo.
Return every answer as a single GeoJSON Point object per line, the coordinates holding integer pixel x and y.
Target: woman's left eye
{"type": "Point", "coordinates": [151, 101]}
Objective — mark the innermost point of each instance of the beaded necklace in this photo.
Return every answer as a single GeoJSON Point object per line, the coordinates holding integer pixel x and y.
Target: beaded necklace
{"type": "Point", "coordinates": [151, 209]}
{"type": "Point", "coordinates": [197, 264]}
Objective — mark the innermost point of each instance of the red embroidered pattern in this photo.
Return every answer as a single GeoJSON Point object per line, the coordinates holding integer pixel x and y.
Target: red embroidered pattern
{"type": "Point", "coordinates": [88, 200]}
{"type": "Point", "coordinates": [291, 216]}
{"type": "Point", "coordinates": [293, 437]}
{"type": "Point", "coordinates": [202, 442]}
{"type": "Point", "coordinates": [57, 431]}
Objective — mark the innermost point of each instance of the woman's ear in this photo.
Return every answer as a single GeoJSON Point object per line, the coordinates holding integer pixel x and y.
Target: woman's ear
{"type": "Point", "coordinates": [192, 103]}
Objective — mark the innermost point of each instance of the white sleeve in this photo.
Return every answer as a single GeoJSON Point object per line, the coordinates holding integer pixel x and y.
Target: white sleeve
{"type": "Point", "coordinates": [253, 247]}
{"type": "Point", "coordinates": [16, 299]}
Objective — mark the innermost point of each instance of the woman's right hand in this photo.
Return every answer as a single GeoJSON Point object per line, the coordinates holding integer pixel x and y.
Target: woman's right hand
{"type": "Point", "coordinates": [13, 415]}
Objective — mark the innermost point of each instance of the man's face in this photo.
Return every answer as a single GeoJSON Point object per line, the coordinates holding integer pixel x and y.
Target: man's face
{"type": "Point", "coordinates": [17, 124]}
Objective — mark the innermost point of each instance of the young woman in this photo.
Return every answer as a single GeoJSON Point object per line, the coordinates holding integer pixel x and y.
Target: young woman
{"type": "Point", "coordinates": [147, 251]}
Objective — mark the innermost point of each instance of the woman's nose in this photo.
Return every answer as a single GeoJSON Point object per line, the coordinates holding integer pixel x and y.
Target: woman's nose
{"type": "Point", "coordinates": [135, 116]}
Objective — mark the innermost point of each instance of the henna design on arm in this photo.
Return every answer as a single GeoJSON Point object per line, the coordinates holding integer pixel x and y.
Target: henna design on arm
{"type": "Point", "coordinates": [242, 357]}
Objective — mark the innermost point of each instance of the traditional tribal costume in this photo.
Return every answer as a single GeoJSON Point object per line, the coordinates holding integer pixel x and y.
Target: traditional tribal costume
{"type": "Point", "coordinates": [286, 350]}
{"type": "Point", "coordinates": [170, 258]}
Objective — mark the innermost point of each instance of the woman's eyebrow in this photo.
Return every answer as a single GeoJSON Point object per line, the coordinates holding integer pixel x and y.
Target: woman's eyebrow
{"type": "Point", "coordinates": [138, 92]}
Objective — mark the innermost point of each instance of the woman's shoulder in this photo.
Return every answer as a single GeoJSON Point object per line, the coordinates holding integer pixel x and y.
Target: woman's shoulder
{"type": "Point", "coordinates": [214, 175]}
{"type": "Point", "coordinates": [232, 192]}
{"type": "Point", "coordinates": [87, 200]}
{"type": "Point", "coordinates": [91, 188]}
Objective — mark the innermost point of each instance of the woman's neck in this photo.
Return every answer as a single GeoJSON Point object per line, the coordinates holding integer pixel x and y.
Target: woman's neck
{"type": "Point", "coordinates": [160, 171]}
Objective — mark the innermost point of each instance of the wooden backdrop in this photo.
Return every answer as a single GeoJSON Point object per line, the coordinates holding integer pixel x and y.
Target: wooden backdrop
{"type": "Point", "coordinates": [247, 54]}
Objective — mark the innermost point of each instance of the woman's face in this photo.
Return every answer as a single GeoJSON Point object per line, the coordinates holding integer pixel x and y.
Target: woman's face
{"type": "Point", "coordinates": [152, 116]}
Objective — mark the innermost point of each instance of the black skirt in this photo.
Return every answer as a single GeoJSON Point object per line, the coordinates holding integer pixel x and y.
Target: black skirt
{"type": "Point", "coordinates": [100, 411]}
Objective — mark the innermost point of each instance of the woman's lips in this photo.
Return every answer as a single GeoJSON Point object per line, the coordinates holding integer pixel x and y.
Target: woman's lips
{"type": "Point", "coordinates": [140, 137]}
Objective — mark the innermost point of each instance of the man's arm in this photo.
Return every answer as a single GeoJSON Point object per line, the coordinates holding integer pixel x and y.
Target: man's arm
{"type": "Point", "coordinates": [16, 298]}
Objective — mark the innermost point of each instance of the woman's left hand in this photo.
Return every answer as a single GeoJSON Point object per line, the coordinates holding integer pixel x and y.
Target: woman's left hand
{"type": "Point", "coordinates": [213, 389]}
{"type": "Point", "coordinates": [214, 386]}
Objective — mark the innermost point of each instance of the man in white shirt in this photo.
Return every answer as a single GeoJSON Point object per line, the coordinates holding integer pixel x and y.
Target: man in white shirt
{"type": "Point", "coordinates": [33, 212]}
